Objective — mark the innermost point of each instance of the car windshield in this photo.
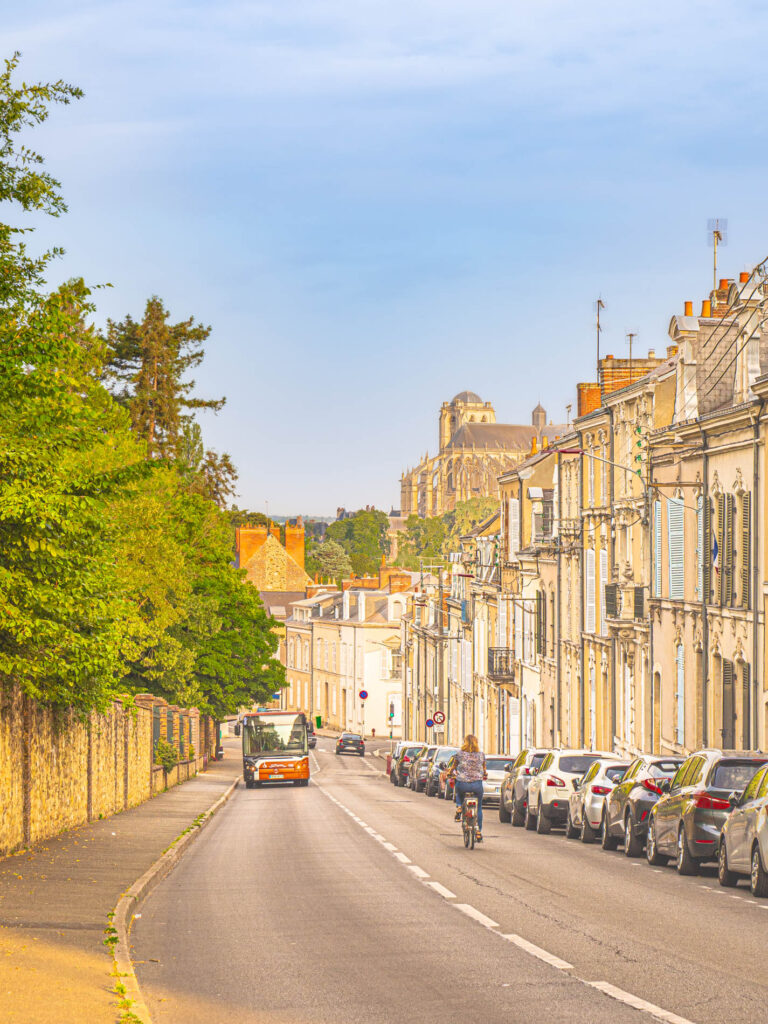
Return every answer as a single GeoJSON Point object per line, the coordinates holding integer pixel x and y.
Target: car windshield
{"type": "Point", "coordinates": [537, 760]}
{"type": "Point", "coordinates": [616, 773]}
{"type": "Point", "coordinates": [274, 733]}
{"type": "Point", "coordinates": [496, 764]}
{"type": "Point", "coordinates": [444, 753]}
{"type": "Point", "coordinates": [410, 751]}
{"type": "Point", "coordinates": [734, 774]}
{"type": "Point", "coordinates": [350, 736]}
{"type": "Point", "coordinates": [576, 764]}
{"type": "Point", "coordinates": [664, 769]}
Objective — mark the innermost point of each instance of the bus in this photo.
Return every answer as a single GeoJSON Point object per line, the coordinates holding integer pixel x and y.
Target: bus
{"type": "Point", "coordinates": [275, 748]}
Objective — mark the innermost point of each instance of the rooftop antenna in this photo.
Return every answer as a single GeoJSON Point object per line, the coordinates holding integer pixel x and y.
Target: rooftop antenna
{"type": "Point", "coordinates": [568, 414]}
{"type": "Point", "coordinates": [599, 304]}
{"type": "Point", "coordinates": [631, 335]}
{"type": "Point", "coordinates": [717, 234]}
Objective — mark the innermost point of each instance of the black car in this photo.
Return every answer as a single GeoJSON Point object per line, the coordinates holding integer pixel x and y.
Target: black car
{"type": "Point", "coordinates": [311, 735]}
{"type": "Point", "coordinates": [513, 798]}
{"type": "Point", "coordinates": [438, 762]}
{"type": "Point", "coordinates": [402, 765]}
{"type": "Point", "coordinates": [419, 768]}
{"type": "Point", "coordinates": [628, 805]}
{"type": "Point", "coordinates": [350, 743]}
{"type": "Point", "coordinates": [686, 822]}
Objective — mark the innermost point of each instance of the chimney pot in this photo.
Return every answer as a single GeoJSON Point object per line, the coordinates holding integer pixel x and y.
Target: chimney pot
{"type": "Point", "coordinates": [651, 353]}
{"type": "Point", "coordinates": [723, 283]}
{"type": "Point", "coordinates": [688, 309]}
{"type": "Point", "coordinates": [744, 276]}
{"type": "Point", "coordinates": [706, 307]}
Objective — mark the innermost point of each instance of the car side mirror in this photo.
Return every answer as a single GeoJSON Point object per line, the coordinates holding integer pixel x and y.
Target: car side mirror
{"type": "Point", "coordinates": [734, 798]}
{"type": "Point", "coordinates": [577, 782]}
{"type": "Point", "coordinates": [441, 765]}
{"type": "Point", "coordinates": [665, 785]}
{"type": "Point", "coordinates": [508, 767]}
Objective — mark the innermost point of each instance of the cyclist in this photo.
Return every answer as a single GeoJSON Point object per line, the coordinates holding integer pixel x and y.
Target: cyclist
{"type": "Point", "coordinates": [469, 771]}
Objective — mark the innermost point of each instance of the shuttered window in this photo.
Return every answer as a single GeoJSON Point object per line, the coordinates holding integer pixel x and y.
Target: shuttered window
{"type": "Point", "coordinates": [657, 548]}
{"type": "Point", "coordinates": [589, 597]}
{"type": "Point", "coordinates": [603, 581]}
{"type": "Point", "coordinates": [706, 567]}
{"type": "Point", "coordinates": [680, 695]}
{"type": "Point", "coordinates": [729, 551]}
{"type": "Point", "coordinates": [729, 709]}
{"type": "Point", "coordinates": [676, 541]}
{"type": "Point", "coordinates": [719, 559]}
{"type": "Point", "coordinates": [746, 550]}
{"type": "Point", "coordinates": [746, 739]}
{"type": "Point", "coordinates": [518, 632]}
{"type": "Point", "coordinates": [700, 550]}
{"type": "Point", "coordinates": [539, 624]}
{"type": "Point", "coordinates": [514, 528]}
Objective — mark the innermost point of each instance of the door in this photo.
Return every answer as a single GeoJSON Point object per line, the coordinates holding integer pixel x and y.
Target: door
{"type": "Point", "coordinates": [617, 799]}
{"type": "Point", "coordinates": [669, 807]}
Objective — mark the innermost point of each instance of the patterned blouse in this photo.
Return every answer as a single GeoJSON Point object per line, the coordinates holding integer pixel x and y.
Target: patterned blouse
{"type": "Point", "coordinates": [470, 767]}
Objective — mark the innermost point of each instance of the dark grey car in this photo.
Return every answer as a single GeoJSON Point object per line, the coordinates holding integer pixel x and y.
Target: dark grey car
{"type": "Point", "coordinates": [439, 761]}
{"type": "Point", "coordinates": [513, 797]}
{"type": "Point", "coordinates": [687, 821]}
{"type": "Point", "coordinates": [628, 806]}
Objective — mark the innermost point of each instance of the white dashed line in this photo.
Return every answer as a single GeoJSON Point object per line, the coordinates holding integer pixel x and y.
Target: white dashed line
{"type": "Point", "coordinates": [637, 1003]}
{"type": "Point", "coordinates": [475, 914]}
{"type": "Point", "coordinates": [390, 846]}
{"type": "Point", "coordinates": [442, 891]}
{"type": "Point", "coordinates": [419, 872]}
{"type": "Point", "coordinates": [537, 951]}
{"type": "Point", "coordinates": [402, 858]}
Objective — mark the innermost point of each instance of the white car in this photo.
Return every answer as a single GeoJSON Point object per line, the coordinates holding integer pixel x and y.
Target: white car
{"type": "Point", "coordinates": [551, 787]}
{"type": "Point", "coordinates": [496, 765]}
{"type": "Point", "coordinates": [587, 802]}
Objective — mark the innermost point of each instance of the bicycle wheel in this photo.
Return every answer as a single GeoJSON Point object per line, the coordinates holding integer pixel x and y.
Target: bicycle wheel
{"type": "Point", "coordinates": [467, 836]}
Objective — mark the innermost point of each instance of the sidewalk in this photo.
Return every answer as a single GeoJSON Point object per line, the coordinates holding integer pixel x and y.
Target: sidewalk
{"type": "Point", "coordinates": [54, 901]}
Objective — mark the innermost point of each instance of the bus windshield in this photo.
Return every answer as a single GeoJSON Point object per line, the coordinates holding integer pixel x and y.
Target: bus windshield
{"type": "Point", "coordinates": [274, 734]}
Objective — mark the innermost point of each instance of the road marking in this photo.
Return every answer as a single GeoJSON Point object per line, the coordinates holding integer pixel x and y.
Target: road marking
{"type": "Point", "coordinates": [389, 846]}
{"type": "Point", "coordinates": [402, 858]}
{"type": "Point", "coordinates": [419, 872]}
{"type": "Point", "coordinates": [475, 914]}
{"type": "Point", "coordinates": [447, 894]}
{"type": "Point", "coordinates": [537, 951]}
{"type": "Point", "coordinates": [637, 1003]}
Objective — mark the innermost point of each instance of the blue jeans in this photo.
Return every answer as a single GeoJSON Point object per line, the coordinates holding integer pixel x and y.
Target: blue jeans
{"type": "Point", "coordinates": [470, 787]}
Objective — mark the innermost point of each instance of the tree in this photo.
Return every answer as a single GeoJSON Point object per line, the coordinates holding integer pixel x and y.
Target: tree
{"type": "Point", "coordinates": [207, 472]}
{"type": "Point", "coordinates": [363, 536]}
{"type": "Point", "coordinates": [147, 365]}
{"type": "Point", "coordinates": [330, 561]}
{"type": "Point", "coordinates": [464, 518]}
{"type": "Point", "coordinates": [422, 540]}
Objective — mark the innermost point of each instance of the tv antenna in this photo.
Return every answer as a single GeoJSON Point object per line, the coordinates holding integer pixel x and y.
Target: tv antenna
{"type": "Point", "coordinates": [599, 304]}
{"type": "Point", "coordinates": [631, 335]}
{"type": "Point", "coordinates": [717, 234]}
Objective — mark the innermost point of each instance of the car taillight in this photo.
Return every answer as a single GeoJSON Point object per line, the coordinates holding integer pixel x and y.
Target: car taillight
{"type": "Point", "coordinates": [406, 760]}
{"type": "Point", "coordinates": [554, 781]}
{"type": "Point", "coordinates": [526, 771]}
{"type": "Point", "coordinates": [706, 802]}
{"type": "Point", "coordinates": [601, 790]}
{"type": "Point", "coordinates": [651, 785]}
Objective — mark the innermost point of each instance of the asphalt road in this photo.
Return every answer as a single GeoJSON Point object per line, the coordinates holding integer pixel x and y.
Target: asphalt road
{"type": "Point", "coordinates": [355, 901]}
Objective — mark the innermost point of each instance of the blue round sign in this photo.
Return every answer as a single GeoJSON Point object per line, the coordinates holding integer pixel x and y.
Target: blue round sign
{"type": "Point", "coordinates": [430, 723]}
{"type": "Point", "coordinates": [363, 695]}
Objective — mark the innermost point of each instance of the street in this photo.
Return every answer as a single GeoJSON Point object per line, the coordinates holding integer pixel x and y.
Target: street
{"type": "Point", "coordinates": [314, 915]}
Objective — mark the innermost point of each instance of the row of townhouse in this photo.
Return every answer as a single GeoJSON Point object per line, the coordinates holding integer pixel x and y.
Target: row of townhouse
{"type": "Point", "coordinates": [341, 643]}
{"type": "Point", "coordinates": [617, 598]}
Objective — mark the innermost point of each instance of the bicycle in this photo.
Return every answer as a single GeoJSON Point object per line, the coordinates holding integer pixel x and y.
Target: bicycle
{"type": "Point", "coordinates": [469, 820]}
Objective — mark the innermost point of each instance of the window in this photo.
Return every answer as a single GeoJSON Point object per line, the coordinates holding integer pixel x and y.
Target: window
{"type": "Point", "coordinates": [754, 785]}
{"type": "Point", "coordinates": [604, 479]}
{"type": "Point", "coordinates": [700, 553]}
{"type": "Point", "coordinates": [589, 597]}
{"type": "Point", "coordinates": [680, 694]}
{"type": "Point", "coordinates": [594, 769]}
{"type": "Point", "coordinates": [745, 552]}
{"type": "Point", "coordinates": [603, 580]}
{"type": "Point", "coordinates": [676, 549]}
{"type": "Point", "coordinates": [657, 548]}
{"type": "Point", "coordinates": [591, 480]}
{"type": "Point", "coordinates": [514, 528]}
{"type": "Point", "coordinates": [683, 773]}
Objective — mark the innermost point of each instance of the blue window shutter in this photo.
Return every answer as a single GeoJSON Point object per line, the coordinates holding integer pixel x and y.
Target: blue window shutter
{"type": "Point", "coordinates": [657, 548]}
{"type": "Point", "coordinates": [676, 549]}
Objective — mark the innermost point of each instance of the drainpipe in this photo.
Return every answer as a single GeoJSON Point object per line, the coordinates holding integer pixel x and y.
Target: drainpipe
{"type": "Point", "coordinates": [650, 527]}
{"type": "Point", "coordinates": [581, 602]}
{"type": "Point", "coordinates": [558, 554]}
{"type": "Point", "coordinates": [753, 698]}
{"type": "Point", "coordinates": [612, 553]}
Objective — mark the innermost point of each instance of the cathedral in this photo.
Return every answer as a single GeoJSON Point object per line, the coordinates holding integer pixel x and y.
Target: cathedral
{"type": "Point", "coordinates": [474, 451]}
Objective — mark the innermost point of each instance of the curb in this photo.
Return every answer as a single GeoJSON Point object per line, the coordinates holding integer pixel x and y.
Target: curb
{"type": "Point", "coordinates": [128, 903]}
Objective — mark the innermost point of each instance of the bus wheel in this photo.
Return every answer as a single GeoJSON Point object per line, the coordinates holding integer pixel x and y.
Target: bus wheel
{"type": "Point", "coordinates": [249, 783]}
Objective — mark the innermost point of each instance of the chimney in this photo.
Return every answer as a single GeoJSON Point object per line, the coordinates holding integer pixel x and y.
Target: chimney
{"type": "Point", "coordinates": [706, 308]}
{"type": "Point", "coordinates": [249, 540]}
{"type": "Point", "coordinates": [294, 543]}
{"type": "Point", "coordinates": [534, 446]}
{"type": "Point", "coordinates": [688, 309]}
{"type": "Point", "coordinates": [544, 442]}
{"type": "Point", "coordinates": [651, 353]}
{"type": "Point", "coordinates": [723, 283]}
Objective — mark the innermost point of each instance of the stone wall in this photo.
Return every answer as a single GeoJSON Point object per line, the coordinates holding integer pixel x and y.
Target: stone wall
{"type": "Point", "coordinates": [57, 771]}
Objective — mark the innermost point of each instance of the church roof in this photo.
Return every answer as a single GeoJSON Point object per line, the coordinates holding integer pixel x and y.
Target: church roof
{"type": "Point", "coordinates": [513, 436]}
{"type": "Point", "coordinates": [469, 397]}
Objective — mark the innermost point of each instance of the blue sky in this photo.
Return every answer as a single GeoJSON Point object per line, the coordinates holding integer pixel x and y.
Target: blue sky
{"type": "Point", "coordinates": [379, 204]}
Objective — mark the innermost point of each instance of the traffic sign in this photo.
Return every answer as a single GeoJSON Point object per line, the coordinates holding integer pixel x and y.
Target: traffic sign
{"type": "Point", "coordinates": [363, 695]}
{"type": "Point", "coordinates": [430, 723]}
{"type": "Point", "coordinates": [439, 717]}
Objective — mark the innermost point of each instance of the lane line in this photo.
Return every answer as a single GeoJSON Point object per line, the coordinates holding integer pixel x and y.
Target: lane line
{"type": "Point", "coordinates": [389, 846]}
{"type": "Point", "coordinates": [537, 951]}
{"type": "Point", "coordinates": [419, 872]}
{"type": "Point", "coordinates": [638, 1004]}
{"type": "Point", "coordinates": [402, 858]}
{"type": "Point", "coordinates": [445, 893]}
{"type": "Point", "coordinates": [476, 915]}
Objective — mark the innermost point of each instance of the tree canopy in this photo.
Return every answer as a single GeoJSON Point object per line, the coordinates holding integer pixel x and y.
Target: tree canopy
{"type": "Point", "coordinates": [363, 535]}
{"type": "Point", "coordinates": [434, 538]}
{"type": "Point", "coordinates": [329, 560]}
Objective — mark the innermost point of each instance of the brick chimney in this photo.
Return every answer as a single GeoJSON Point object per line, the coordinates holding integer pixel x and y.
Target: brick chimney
{"type": "Point", "coordinates": [294, 543]}
{"type": "Point", "coordinates": [248, 540]}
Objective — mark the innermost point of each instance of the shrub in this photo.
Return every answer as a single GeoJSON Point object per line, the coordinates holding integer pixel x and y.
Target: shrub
{"type": "Point", "coordinates": [166, 754]}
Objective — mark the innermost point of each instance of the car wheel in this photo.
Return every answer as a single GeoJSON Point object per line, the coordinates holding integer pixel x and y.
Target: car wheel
{"type": "Point", "coordinates": [396, 780]}
{"type": "Point", "coordinates": [530, 819]}
{"type": "Point", "coordinates": [654, 858]}
{"type": "Point", "coordinates": [518, 814]}
{"type": "Point", "coordinates": [633, 845]}
{"type": "Point", "coordinates": [758, 876]}
{"type": "Point", "coordinates": [587, 833]}
{"type": "Point", "coordinates": [543, 825]}
{"type": "Point", "coordinates": [685, 863]}
{"type": "Point", "coordinates": [725, 877]}
{"type": "Point", "coordinates": [607, 841]}
{"type": "Point", "coordinates": [504, 816]}
{"type": "Point", "coordinates": [571, 832]}
{"type": "Point", "coordinates": [249, 783]}
{"type": "Point", "coordinates": [392, 778]}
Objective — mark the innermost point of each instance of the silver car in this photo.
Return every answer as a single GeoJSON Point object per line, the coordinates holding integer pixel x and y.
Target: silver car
{"type": "Point", "coordinates": [496, 765]}
{"type": "Point", "coordinates": [586, 803]}
{"type": "Point", "coordinates": [743, 849]}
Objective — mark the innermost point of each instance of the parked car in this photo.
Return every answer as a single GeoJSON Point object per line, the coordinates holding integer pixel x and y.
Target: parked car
{"type": "Point", "coordinates": [396, 752]}
{"type": "Point", "coordinates": [496, 766]}
{"type": "Point", "coordinates": [743, 848]}
{"type": "Point", "coordinates": [686, 822]}
{"type": "Point", "coordinates": [438, 762]}
{"type": "Point", "coordinates": [628, 805]}
{"type": "Point", "coordinates": [586, 804]}
{"type": "Point", "coordinates": [418, 768]}
{"type": "Point", "coordinates": [403, 763]}
{"type": "Point", "coordinates": [311, 735]}
{"type": "Point", "coordinates": [350, 743]}
{"type": "Point", "coordinates": [445, 781]}
{"type": "Point", "coordinates": [550, 787]}
{"type": "Point", "coordinates": [513, 793]}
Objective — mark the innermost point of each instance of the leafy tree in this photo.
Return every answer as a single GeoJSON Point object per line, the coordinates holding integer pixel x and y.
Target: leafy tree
{"type": "Point", "coordinates": [422, 540]}
{"type": "Point", "coordinates": [330, 561]}
{"type": "Point", "coordinates": [464, 518]}
{"type": "Point", "coordinates": [363, 536]}
{"type": "Point", "coordinates": [146, 370]}
{"type": "Point", "coordinates": [207, 472]}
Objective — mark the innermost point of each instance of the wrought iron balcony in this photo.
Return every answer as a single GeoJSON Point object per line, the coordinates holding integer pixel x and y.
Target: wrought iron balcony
{"type": "Point", "coordinates": [501, 663]}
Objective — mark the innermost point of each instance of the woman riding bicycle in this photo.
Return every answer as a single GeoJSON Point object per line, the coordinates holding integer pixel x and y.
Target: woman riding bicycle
{"type": "Point", "coordinates": [469, 771]}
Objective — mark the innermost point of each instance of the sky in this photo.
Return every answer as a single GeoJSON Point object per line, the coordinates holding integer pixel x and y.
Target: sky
{"type": "Point", "coordinates": [377, 204]}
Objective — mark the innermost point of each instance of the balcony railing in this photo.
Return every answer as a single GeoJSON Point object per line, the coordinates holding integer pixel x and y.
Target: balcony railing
{"type": "Point", "coordinates": [501, 663]}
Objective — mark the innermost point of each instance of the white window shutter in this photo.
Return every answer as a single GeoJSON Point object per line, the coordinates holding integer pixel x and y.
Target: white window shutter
{"type": "Point", "coordinates": [657, 547]}
{"type": "Point", "coordinates": [680, 693]}
{"type": "Point", "coordinates": [700, 547]}
{"type": "Point", "coordinates": [514, 528]}
{"type": "Point", "coordinates": [676, 549]}
{"type": "Point", "coordinates": [589, 624]}
{"type": "Point", "coordinates": [603, 581]}
{"type": "Point", "coordinates": [518, 632]}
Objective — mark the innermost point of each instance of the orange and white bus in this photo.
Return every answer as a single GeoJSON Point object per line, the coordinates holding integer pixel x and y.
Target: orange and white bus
{"type": "Point", "coordinates": [275, 748]}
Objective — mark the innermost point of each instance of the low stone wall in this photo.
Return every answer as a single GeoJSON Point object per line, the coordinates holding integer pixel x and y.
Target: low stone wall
{"type": "Point", "coordinates": [57, 771]}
